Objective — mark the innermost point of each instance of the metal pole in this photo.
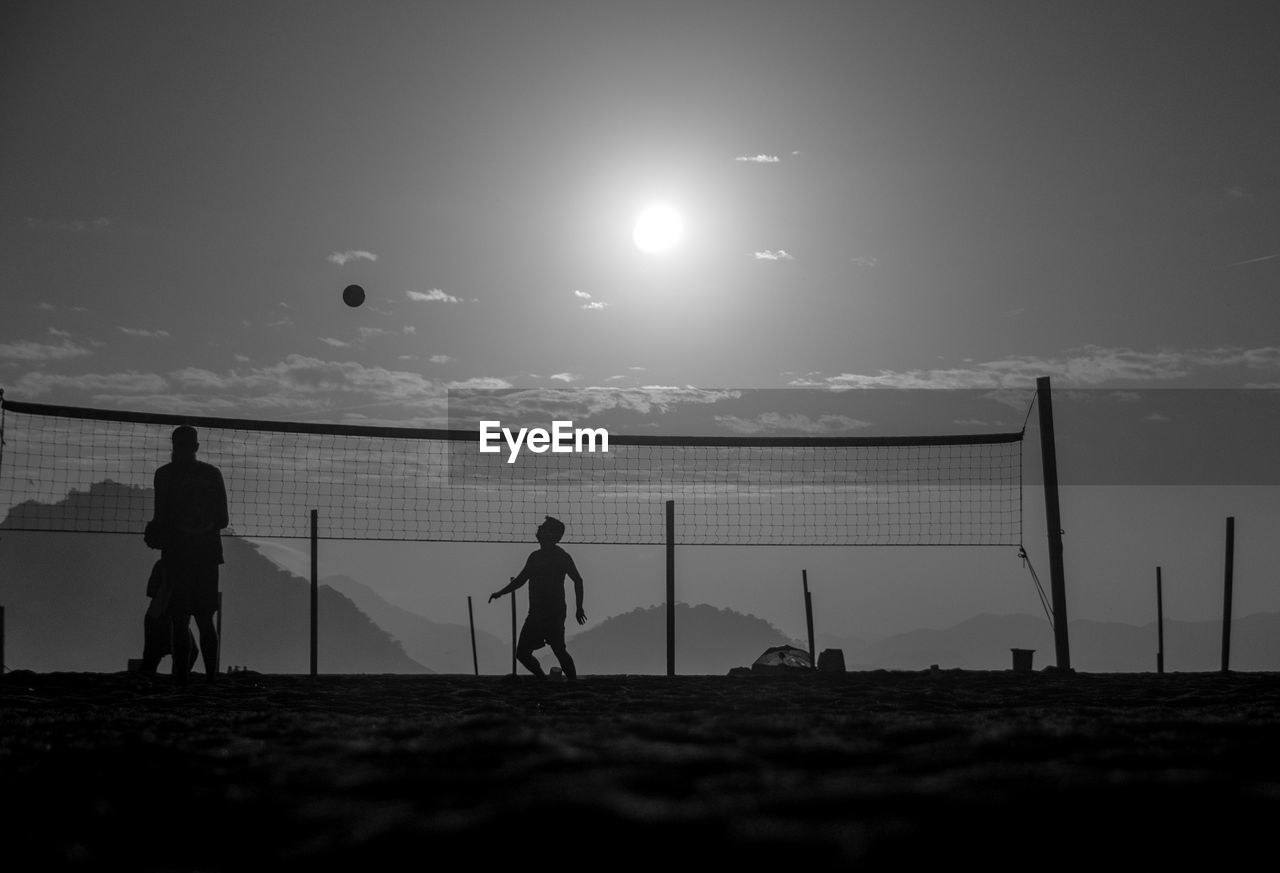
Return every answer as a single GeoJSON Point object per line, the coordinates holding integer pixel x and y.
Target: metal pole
{"type": "Point", "coordinates": [671, 588]}
{"type": "Point", "coordinates": [1, 640]}
{"type": "Point", "coordinates": [1160, 621]}
{"type": "Point", "coordinates": [1226, 593]}
{"type": "Point", "coordinates": [808, 616]}
{"type": "Point", "coordinates": [513, 633]}
{"type": "Point", "coordinates": [315, 591]}
{"type": "Point", "coordinates": [1053, 521]}
{"type": "Point", "coordinates": [471, 619]}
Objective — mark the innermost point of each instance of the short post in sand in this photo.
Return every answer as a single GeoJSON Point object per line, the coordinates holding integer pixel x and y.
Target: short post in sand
{"type": "Point", "coordinates": [471, 619]}
{"type": "Point", "coordinates": [808, 616]}
{"type": "Point", "coordinates": [315, 591]}
{"type": "Point", "coordinates": [1159, 622]}
{"type": "Point", "coordinates": [513, 632]}
{"type": "Point", "coordinates": [219, 629]}
{"type": "Point", "coordinates": [1226, 593]}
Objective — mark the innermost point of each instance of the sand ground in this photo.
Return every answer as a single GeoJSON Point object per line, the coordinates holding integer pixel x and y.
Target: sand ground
{"type": "Point", "coordinates": [874, 769]}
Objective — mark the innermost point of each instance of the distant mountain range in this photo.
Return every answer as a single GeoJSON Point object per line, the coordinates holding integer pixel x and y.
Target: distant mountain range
{"type": "Point", "coordinates": [983, 643]}
{"type": "Point", "coordinates": [708, 641]}
{"type": "Point", "coordinates": [445, 648]}
{"type": "Point", "coordinates": [76, 601]}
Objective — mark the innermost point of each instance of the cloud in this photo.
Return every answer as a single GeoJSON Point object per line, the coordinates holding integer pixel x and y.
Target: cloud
{"type": "Point", "coordinates": [865, 261]}
{"type": "Point", "coordinates": [479, 383]}
{"type": "Point", "coordinates": [71, 225]}
{"type": "Point", "coordinates": [590, 305]}
{"type": "Point", "coordinates": [758, 159]}
{"type": "Point", "coordinates": [336, 343]}
{"type": "Point", "coordinates": [565, 377]}
{"type": "Point", "coordinates": [131, 382]}
{"type": "Point", "coordinates": [27, 350]}
{"type": "Point", "coordinates": [241, 359]}
{"type": "Point", "coordinates": [342, 258]}
{"type": "Point", "coordinates": [140, 332]}
{"type": "Point", "coordinates": [410, 329]}
{"type": "Point", "coordinates": [1157, 418]}
{"type": "Point", "coordinates": [368, 333]}
{"type": "Point", "coordinates": [441, 359]}
{"type": "Point", "coordinates": [773, 422]}
{"type": "Point", "coordinates": [770, 255]}
{"type": "Point", "coordinates": [1235, 192]}
{"type": "Point", "coordinates": [1252, 261]}
{"type": "Point", "coordinates": [435, 295]}
{"type": "Point", "coordinates": [1089, 366]}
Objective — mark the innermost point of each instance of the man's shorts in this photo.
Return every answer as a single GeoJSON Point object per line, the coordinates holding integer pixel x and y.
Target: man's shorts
{"type": "Point", "coordinates": [542, 630]}
{"type": "Point", "coordinates": [193, 588]}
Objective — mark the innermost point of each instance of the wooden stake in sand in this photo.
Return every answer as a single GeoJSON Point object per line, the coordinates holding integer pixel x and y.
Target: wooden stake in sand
{"type": "Point", "coordinates": [315, 591]}
{"type": "Point", "coordinates": [808, 616]}
{"type": "Point", "coordinates": [471, 619]}
{"type": "Point", "coordinates": [1226, 593]}
{"type": "Point", "coordinates": [1159, 622]}
{"type": "Point", "coordinates": [671, 588]}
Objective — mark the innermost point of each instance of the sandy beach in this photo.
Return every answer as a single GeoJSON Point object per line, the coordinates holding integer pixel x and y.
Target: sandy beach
{"type": "Point", "coordinates": [879, 768]}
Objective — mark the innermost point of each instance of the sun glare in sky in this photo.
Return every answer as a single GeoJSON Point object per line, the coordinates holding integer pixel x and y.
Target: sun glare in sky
{"type": "Point", "coordinates": [658, 229]}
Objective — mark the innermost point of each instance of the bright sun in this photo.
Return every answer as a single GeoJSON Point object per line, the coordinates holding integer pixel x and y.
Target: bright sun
{"type": "Point", "coordinates": [658, 229]}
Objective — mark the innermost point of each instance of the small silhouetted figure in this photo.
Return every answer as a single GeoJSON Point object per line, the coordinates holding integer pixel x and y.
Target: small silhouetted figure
{"type": "Point", "coordinates": [190, 513]}
{"type": "Point", "coordinates": [545, 571]}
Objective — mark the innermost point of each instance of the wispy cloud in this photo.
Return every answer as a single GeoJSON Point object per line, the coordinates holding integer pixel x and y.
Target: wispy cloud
{"type": "Point", "coordinates": [440, 359]}
{"type": "Point", "coordinates": [36, 384]}
{"type": "Point", "coordinates": [434, 295]}
{"type": "Point", "coordinates": [141, 332]}
{"type": "Point", "coordinates": [71, 225]}
{"type": "Point", "coordinates": [565, 377]}
{"type": "Point", "coordinates": [775, 422]}
{"type": "Point", "coordinates": [479, 383]}
{"type": "Point", "coordinates": [758, 159]}
{"type": "Point", "coordinates": [772, 255]}
{"type": "Point", "coordinates": [342, 258]}
{"type": "Point", "coordinates": [336, 343]}
{"type": "Point", "coordinates": [29, 350]}
{"type": "Point", "coordinates": [1252, 261]}
{"type": "Point", "coordinates": [1084, 367]}
{"type": "Point", "coordinates": [865, 261]}
{"type": "Point", "coordinates": [590, 305]}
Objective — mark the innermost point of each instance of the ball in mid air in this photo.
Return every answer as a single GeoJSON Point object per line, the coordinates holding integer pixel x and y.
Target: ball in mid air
{"type": "Point", "coordinates": [353, 295]}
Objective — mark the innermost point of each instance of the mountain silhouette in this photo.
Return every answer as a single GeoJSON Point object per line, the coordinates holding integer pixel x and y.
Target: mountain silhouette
{"type": "Point", "coordinates": [75, 601]}
{"type": "Point", "coordinates": [444, 648]}
{"type": "Point", "coordinates": [708, 641]}
{"type": "Point", "coordinates": [983, 643]}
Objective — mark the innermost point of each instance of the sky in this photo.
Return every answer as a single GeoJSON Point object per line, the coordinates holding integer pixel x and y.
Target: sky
{"type": "Point", "coordinates": [906, 194]}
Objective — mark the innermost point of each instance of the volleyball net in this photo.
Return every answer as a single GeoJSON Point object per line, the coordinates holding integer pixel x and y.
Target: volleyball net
{"type": "Point", "coordinates": [90, 471]}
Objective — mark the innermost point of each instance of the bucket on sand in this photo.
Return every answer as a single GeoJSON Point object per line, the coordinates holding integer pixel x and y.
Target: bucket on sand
{"type": "Point", "coordinates": [1022, 659]}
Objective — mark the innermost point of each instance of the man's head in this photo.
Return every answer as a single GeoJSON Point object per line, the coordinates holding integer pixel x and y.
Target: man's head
{"type": "Point", "coordinates": [550, 531]}
{"type": "Point", "coordinates": [184, 441]}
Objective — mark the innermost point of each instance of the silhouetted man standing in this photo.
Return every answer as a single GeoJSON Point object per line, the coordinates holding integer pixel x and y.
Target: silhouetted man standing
{"type": "Point", "coordinates": [545, 571]}
{"type": "Point", "coordinates": [190, 513]}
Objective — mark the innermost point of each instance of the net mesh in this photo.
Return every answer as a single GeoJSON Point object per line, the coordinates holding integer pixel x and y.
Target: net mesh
{"type": "Point", "coordinates": [80, 470]}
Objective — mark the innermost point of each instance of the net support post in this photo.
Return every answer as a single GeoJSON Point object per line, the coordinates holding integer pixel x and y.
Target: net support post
{"type": "Point", "coordinates": [471, 620]}
{"type": "Point", "coordinates": [315, 591]}
{"type": "Point", "coordinates": [1227, 581]}
{"type": "Point", "coordinates": [1053, 522]}
{"type": "Point", "coordinates": [671, 588]}
{"type": "Point", "coordinates": [218, 649]}
{"type": "Point", "coordinates": [2, 668]}
{"type": "Point", "coordinates": [1159, 622]}
{"type": "Point", "coordinates": [513, 633]}
{"type": "Point", "coordinates": [808, 616]}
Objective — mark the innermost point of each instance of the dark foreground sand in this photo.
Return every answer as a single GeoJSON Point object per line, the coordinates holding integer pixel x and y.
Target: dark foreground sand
{"type": "Point", "coordinates": [888, 770]}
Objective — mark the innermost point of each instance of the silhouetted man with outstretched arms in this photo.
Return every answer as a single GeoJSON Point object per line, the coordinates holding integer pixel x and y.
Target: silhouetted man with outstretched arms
{"type": "Point", "coordinates": [545, 571]}
{"type": "Point", "coordinates": [190, 514]}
